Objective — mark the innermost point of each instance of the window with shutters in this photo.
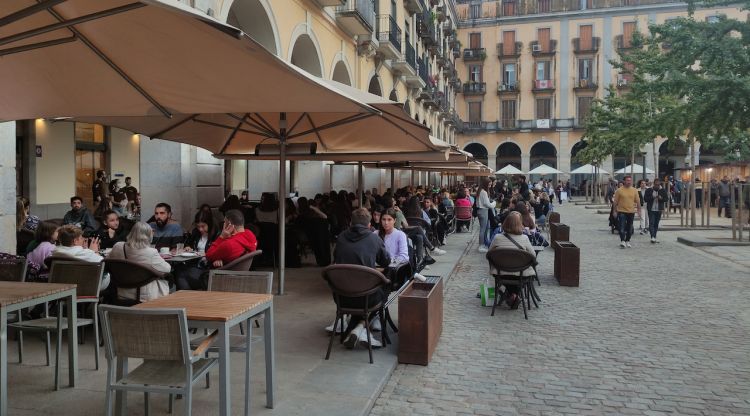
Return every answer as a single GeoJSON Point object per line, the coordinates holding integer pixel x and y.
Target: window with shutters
{"type": "Point", "coordinates": [508, 114]}
{"type": "Point", "coordinates": [509, 42]}
{"type": "Point", "coordinates": [543, 38]}
{"type": "Point", "coordinates": [475, 40]}
{"type": "Point", "coordinates": [584, 109]}
{"type": "Point", "coordinates": [585, 71]}
{"type": "Point", "coordinates": [543, 6]}
{"type": "Point", "coordinates": [585, 33]}
{"type": "Point", "coordinates": [628, 29]}
{"type": "Point", "coordinates": [543, 70]}
{"type": "Point", "coordinates": [543, 108]}
{"type": "Point", "coordinates": [509, 75]}
{"type": "Point", "coordinates": [475, 73]}
{"type": "Point", "coordinates": [475, 112]}
{"type": "Point", "coordinates": [509, 7]}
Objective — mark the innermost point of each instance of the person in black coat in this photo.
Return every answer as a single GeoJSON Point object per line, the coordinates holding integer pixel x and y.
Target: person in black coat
{"type": "Point", "coordinates": [111, 231]}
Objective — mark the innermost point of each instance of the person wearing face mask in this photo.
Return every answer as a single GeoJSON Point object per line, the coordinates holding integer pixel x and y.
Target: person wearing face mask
{"type": "Point", "coordinates": [167, 231]}
{"type": "Point", "coordinates": [79, 216]}
{"type": "Point", "coordinates": [110, 232]}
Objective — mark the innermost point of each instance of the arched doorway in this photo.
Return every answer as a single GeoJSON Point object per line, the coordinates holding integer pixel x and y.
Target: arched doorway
{"type": "Point", "coordinates": [574, 162]}
{"type": "Point", "coordinates": [543, 153]}
{"type": "Point", "coordinates": [672, 155]}
{"type": "Point", "coordinates": [478, 151]}
{"type": "Point", "coordinates": [250, 16]}
{"type": "Point", "coordinates": [393, 96]}
{"type": "Point", "coordinates": [374, 87]}
{"type": "Point", "coordinates": [341, 73]}
{"type": "Point", "coordinates": [305, 56]}
{"type": "Point", "coordinates": [508, 153]}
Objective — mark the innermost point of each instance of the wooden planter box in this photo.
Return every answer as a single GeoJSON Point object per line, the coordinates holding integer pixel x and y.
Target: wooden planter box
{"type": "Point", "coordinates": [558, 232]}
{"type": "Point", "coordinates": [567, 263]}
{"type": "Point", "coordinates": [554, 217]}
{"type": "Point", "coordinates": [420, 321]}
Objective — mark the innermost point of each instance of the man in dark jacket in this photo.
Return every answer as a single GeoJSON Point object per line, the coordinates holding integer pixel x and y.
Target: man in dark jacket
{"type": "Point", "coordinates": [359, 245]}
{"type": "Point", "coordinates": [80, 216]}
{"type": "Point", "coordinates": [656, 198]}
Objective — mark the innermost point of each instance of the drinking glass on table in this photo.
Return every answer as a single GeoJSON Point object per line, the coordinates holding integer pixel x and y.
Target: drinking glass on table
{"type": "Point", "coordinates": [180, 248]}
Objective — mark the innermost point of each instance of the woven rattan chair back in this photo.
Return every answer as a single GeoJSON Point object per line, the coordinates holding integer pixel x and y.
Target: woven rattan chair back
{"type": "Point", "coordinates": [13, 269]}
{"type": "Point", "coordinates": [352, 281]}
{"type": "Point", "coordinates": [243, 263]}
{"type": "Point", "coordinates": [510, 260]}
{"type": "Point", "coordinates": [86, 276]}
{"type": "Point", "coordinates": [126, 274]}
{"type": "Point", "coordinates": [243, 282]}
{"type": "Point", "coordinates": [463, 213]}
{"type": "Point", "coordinates": [153, 334]}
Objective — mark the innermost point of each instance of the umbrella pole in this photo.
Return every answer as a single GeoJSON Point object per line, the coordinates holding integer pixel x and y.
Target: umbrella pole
{"type": "Point", "coordinates": [393, 180]}
{"type": "Point", "coordinates": [282, 200]}
{"type": "Point", "coordinates": [360, 185]}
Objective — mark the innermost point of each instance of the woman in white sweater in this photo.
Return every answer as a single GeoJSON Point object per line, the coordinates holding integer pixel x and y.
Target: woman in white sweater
{"type": "Point", "coordinates": [485, 208]}
{"type": "Point", "coordinates": [513, 229]}
{"type": "Point", "coordinates": [138, 249]}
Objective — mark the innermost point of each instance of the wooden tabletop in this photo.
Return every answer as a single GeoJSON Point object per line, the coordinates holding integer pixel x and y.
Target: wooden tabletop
{"type": "Point", "coordinates": [17, 292]}
{"type": "Point", "coordinates": [209, 306]}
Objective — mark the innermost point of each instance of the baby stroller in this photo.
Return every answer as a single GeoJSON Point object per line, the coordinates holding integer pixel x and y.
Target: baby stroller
{"type": "Point", "coordinates": [614, 223]}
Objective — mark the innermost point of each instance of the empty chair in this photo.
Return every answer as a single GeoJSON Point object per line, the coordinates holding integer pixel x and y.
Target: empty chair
{"type": "Point", "coordinates": [87, 277]}
{"type": "Point", "coordinates": [160, 338]}
{"type": "Point", "coordinates": [242, 263]}
{"type": "Point", "coordinates": [357, 290]}
{"type": "Point", "coordinates": [506, 262]}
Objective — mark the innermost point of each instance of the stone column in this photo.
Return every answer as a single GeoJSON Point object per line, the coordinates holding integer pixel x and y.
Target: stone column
{"type": "Point", "coordinates": [8, 182]}
{"type": "Point", "coordinates": [525, 162]}
{"type": "Point", "coordinates": [492, 162]}
{"type": "Point", "coordinates": [563, 156]}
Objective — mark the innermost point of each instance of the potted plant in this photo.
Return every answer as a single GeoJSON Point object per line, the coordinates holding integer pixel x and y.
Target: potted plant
{"type": "Point", "coordinates": [482, 55]}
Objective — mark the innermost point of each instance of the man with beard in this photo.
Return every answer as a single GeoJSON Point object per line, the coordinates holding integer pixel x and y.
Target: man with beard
{"type": "Point", "coordinates": [167, 232]}
{"type": "Point", "coordinates": [79, 216]}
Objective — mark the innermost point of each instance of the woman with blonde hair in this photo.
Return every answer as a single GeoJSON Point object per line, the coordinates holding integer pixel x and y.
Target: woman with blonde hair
{"type": "Point", "coordinates": [514, 238]}
{"type": "Point", "coordinates": [138, 249]}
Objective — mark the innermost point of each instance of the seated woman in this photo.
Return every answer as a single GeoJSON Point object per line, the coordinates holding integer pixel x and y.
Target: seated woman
{"type": "Point", "coordinates": [110, 232]}
{"type": "Point", "coordinates": [42, 246]}
{"type": "Point", "coordinates": [394, 239]}
{"type": "Point", "coordinates": [529, 225]}
{"type": "Point", "coordinates": [204, 232]}
{"type": "Point", "coordinates": [512, 237]}
{"type": "Point", "coordinates": [74, 247]}
{"type": "Point", "coordinates": [138, 249]}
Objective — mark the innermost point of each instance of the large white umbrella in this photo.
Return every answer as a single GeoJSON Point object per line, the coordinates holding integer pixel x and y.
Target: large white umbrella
{"type": "Point", "coordinates": [509, 170]}
{"type": "Point", "coordinates": [636, 168]}
{"type": "Point", "coordinates": [544, 170]}
{"type": "Point", "coordinates": [588, 169]}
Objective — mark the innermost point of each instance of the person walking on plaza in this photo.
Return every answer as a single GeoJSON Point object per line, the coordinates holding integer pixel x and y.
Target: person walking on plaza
{"type": "Point", "coordinates": [643, 211]}
{"type": "Point", "coordinates": [626, 203]}
{"type": "Point", "coordinates": [724, 196]}
{"type": "Point", "coordinates": [656, 198]}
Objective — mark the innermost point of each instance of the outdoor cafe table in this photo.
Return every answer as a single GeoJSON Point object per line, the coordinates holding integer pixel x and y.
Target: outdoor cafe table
{"type": "Point", "coordinates": [15, 296]}
{"type": "Point", "coordinates": [222, 311]}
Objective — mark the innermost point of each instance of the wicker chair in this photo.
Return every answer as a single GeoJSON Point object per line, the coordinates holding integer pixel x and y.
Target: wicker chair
{"type": "Point", "coordinates": [354, 281]}
{"type": "Point", "coordinates": [159, 337]}
{"type": "Point", "coordinates": [125, 274]}
{"type": "Point", "coordinates": [13, 269]}
{"type": "Point", "coordinates": [87, 277]}
{"type": "Point", "coordinates": [507, 261]}
{"type": "Point", "coordinates": [242, 263]}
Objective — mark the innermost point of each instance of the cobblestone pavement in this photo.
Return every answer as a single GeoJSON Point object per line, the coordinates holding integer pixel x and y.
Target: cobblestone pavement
{"type": "Point", "coordinates": [652, 330]}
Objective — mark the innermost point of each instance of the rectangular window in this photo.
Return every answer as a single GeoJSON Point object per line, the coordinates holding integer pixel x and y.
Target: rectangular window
{"type": "Point", "coordinates": [543, 6]}
{"type": "Point", "coordinates": [543, 71]}
{"type": "Point", "coordinates": [585, 70]}
{"type": "Point", "coordinates": [628, 29]}
{"type": "Point", "coordinates": [543, 108]}
{"type": "Point", "coordinates": [475, 12]}
{"type": "Point", "coordinates": [475, 73]}
{"type": "Point", "coordinates": [509, 42]}
{"type": "Point", "coordinates": [508, 114]}
{"type": "Point", "coordinates": [407, 32]}
{"type": "Point", "coordinates": [509, 75]}
{"type": "Point", "coordinates": [475, 112]}
{"type": "Point", "coordinates": [509, 7]}
{"type": "Point", "coordinates": [585, 33]}
{"type": "Point", "coordinates": [543, 37]}
{"type": "Point", "coordinates": [584, 108]}
{"type": "Point", "coordinates": [475, 40]}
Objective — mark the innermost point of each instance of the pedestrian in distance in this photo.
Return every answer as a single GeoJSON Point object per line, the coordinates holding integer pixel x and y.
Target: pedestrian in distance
{"type": "Point", "coordinates": [626, 202]}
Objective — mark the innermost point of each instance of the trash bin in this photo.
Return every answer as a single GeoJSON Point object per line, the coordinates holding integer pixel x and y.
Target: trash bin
{"type": "Point", "coordinates": [554, 217]}
{"type": "Point", "coordinates": [558, 232]}
{"type": "Point", "coordinates": [567, 263]}
{"type": "Point", "coordinates": [420, 321]}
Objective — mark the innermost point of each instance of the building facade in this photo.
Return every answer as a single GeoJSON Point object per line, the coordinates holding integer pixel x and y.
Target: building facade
{"type": "Point", "coordinates": [531, 69]}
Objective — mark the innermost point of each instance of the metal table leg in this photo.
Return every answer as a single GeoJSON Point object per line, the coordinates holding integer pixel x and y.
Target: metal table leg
{"type": "Point", "coordinates": [70, 304]}
{"type": "Point", "coordinates": [3, 362]}
{"type": "Point", "coordinates": [270, 361]}
{"type": "Point", "coordinates": [248, 355]}
{"type": "Point", "coordinates": [225, 403]}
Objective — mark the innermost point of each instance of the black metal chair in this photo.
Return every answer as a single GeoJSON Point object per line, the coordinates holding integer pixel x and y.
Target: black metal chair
{"type": "Point", "coordinates": [353, 281]}
{"type": "Point", "coordinates": [125, 274]}
{"type": "Point", "coordinates": [242, 263]}
{"type": "Point", "coordinates": [507, 261]}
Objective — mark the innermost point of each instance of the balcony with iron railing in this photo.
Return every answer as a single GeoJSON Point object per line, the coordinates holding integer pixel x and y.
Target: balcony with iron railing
{"type": "Point", "coordinates": [389, 37]}
{"type": "Point", "coordinates": [472, 10]}
{"type": "Point", "coordinates": [543, 85]}
{"type": "Point", "coordinates": [585, 83]}
{"type": "Point", "coordinates": [411, 56]}
{"type": "Point", "coordinates": [424, 73]}
{"type": "Point", "coordinates": [357, 17]}
{"type": "Point", "coordinates": [540, 49]}
{"type": "Point", "coordinates": [509, 51]}
{"type": "Point", "coordinates": [475, 88]}
{"type": "Point", "coordinates": [581, 47]}
{"type": "Point", "coordinates": [475, 54]}
{"type": "Point", "coordinates": [623, 43]}
{"type": "Point", "coordinates": [508, 88]}
{"type": "Point", "coordinates": [426, 30]}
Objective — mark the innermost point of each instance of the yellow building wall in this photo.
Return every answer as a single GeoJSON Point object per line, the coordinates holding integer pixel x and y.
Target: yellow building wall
{"type": "Point", "coordinates": [124, 156]}
{"type": "Point", "coordinates": [55, 170]}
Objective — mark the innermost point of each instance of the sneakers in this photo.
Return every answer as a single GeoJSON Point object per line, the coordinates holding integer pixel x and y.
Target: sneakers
{"type": "Point", "coordinates": [359, 336]}
{"type": "Point", "coordinates": [483, 249]}
{"type": "Point", "coordinates": [627, 244]}
{"type": "Point", "coordinates": [375, 324]}
{"type": "Point", "coordinates": [341, 327]}
{"type": "Point", "coordinates": [622, 244]}
{"type": "Point", "coordinates": [420, 277]}
{"type": "Point", "coordinates": [428, 260]}
{"type": "Point", "coordinates": [438, 251]}
{"type": "Point", "coordinates": [426, 267]}
{"type": "Point", "coordinates": [653, 240]}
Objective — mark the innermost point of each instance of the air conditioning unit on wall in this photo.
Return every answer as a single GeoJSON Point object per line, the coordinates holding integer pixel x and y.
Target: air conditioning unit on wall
{"type": "Point", "coordinates": [536, 47]}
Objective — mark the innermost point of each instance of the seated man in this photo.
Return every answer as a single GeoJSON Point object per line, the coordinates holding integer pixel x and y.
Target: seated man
{"type": "Point", "coordinates": [167, 232]}
{"type": "Point", "coordinates": [234, 242]}
{"type": "Point", "coordinates": [359, 245]}
{"type": "Point", "coordinates": [79, 216]}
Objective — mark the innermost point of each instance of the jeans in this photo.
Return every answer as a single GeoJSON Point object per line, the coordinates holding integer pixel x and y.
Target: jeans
{"type": "Point", "coordinates": [418, 236]}
{"type": "Point", "coordinates": [645, 218]}
{"type": "Point", "coordinates": [653, 222]}
{"type": "Point", "coordinates": [484, 226]}
{"type": "Point", "coordinates": [626, 225]}
{"type": "Point", "coordinates": [724, 202]}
